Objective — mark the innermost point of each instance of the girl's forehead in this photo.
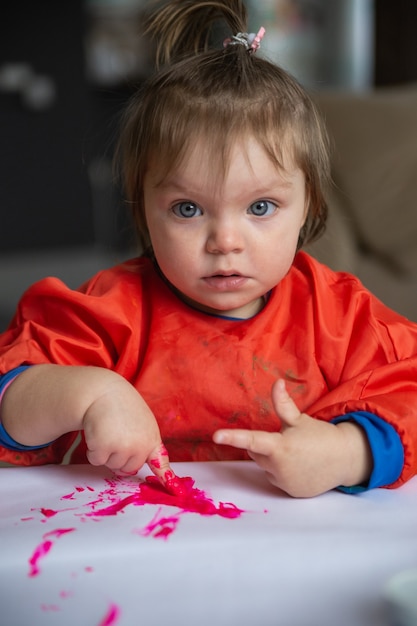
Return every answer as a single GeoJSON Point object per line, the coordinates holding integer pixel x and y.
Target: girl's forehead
{"type": "Point", "coordinates": [213, 159]}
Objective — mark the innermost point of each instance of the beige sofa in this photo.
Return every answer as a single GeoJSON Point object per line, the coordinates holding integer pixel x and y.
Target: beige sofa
{"type": "Point", "coordinates": [372, 229]}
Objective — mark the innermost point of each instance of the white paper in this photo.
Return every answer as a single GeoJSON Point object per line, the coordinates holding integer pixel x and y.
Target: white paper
{"type": "Point", "coordinates": [283, 562]}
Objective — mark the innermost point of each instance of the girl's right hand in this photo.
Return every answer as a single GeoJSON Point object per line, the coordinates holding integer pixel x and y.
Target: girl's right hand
{"type": "Point", "coordinates": [121, 433]}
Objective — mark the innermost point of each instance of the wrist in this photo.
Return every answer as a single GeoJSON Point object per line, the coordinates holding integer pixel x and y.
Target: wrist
{"type": "Point", "coordinates": [357, 454]}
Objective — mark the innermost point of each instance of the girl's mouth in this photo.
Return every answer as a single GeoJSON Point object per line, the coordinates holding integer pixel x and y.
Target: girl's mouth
{"type": "Point", "coordinates": [225, 282]}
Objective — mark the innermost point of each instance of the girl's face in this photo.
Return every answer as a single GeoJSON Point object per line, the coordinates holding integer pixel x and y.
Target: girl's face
{"type": "Point", "coordinates": [225, 241]}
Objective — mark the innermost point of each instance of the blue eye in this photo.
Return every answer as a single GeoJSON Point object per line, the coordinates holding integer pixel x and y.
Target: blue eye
{"type": "Point", "coordinates": [187, 210]}
{"type": "Point", "coordinates": [261, 208]}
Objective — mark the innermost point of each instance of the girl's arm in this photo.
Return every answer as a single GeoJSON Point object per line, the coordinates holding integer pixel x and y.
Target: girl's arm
{"type": "Point", "coordinates": [46, 401]}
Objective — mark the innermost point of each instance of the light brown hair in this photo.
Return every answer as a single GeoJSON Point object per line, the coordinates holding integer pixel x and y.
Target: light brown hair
{"type": "Point", "coordinates": [218, 95]}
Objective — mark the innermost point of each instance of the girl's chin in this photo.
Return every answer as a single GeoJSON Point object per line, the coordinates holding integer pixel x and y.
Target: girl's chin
{"type": "Point", "coordinates": [241, 311]}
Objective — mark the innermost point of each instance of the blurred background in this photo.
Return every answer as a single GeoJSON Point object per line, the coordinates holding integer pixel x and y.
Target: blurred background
{"type": "Point", "coordinates": [66, 71]}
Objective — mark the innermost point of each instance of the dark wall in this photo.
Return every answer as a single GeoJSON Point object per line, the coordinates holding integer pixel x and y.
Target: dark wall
{"type": "Point", "coordinates": [396, 41]}
{"type": "Point", "coordinates": [44, 189]}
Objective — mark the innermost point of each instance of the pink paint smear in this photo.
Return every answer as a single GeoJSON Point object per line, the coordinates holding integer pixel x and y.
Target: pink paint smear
{"type": "Point", "coordinates": [189, 499]}
{"type": "Point", "coordinates": [119, 494]}
{"type": "Point", "coordinates": [111, 617]}
{"type": "Point", "coordinates": [160, 526]}
{"type": "Point", "coordinates": [44, 548]}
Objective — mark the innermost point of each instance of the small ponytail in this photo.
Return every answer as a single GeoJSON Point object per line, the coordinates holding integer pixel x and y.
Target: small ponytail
{"type": "Point", "coordinates": [186, 27]}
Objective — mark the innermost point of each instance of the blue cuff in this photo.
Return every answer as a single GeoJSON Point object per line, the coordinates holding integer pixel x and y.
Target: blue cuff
{"type": "Point", "coordinates": [5, 379]}
{"type": "Point", "coordinates": [5, 440]}
{"type": "Point", "coordinates": [386, 447]}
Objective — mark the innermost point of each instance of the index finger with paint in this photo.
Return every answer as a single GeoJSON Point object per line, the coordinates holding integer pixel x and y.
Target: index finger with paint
{"type": "Point", "coordinates": [158, 462]}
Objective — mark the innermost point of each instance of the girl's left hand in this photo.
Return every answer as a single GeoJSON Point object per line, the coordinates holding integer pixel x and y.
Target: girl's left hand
{"type": "Point", "coordinates": [307, 456]}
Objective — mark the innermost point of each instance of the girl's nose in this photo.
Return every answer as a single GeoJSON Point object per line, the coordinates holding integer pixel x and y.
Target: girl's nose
{"type": "Point", "coordinates": [224, 237]}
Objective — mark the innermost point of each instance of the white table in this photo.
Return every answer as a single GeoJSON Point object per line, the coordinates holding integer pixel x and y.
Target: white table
{"type": "Point", "coordinates": [282, 562]}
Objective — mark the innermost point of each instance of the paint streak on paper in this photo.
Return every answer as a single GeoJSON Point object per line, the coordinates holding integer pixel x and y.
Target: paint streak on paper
{"type": "Point", "coordinates": [190, 500]}
{"type": "Point", "coordinates": [111, 617]}
{"type": "Point", "coordinates": [44, 548]}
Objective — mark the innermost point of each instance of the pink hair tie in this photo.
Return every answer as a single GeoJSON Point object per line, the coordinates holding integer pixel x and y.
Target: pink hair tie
{"type": "Point", "coordinates": [251, 41]}
{"type": "Point", "coordinates": [256, 41]}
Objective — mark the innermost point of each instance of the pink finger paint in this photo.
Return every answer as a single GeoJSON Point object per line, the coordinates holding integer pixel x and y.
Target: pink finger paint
{"type": "Point", "coordinates": [156, 460]}
{"type": "Point", "coordinates": [169, 480]}
{"type": "Point", "coordinates": [79, 489]}
{"type": "Point", "coordinates": [155, 463]}
{"type": "Point", "coordinates": [44, 548]}
{"type": "Point", "coordinates": [48, 512]}
{"type": "Point", "coordinates": [190, 499]}
{"type": "Point", "coordinates": [117, 494]}
{"type": "Point", "coordinates": [68, 496]}
{"type": "Point", "coordinates": [58, 532]}
{"type": "Point", "coordinates": [173, 484]}
{"type": "Point", "coordinates": [39, 553]}
{"type": "Point", "coordinates": [160, 527]}
{"type": "Point", "coordinates": [111, 617]}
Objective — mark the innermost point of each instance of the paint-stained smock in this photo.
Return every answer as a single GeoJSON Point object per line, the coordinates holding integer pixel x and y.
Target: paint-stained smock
{"type": "Point", "coordinates": [338, 347]}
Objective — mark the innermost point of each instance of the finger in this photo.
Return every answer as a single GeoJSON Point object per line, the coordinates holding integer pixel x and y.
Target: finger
{"type": "Point", "coordinates": [254, 441]}
{"type": "Point", "coordinates": [97, 457]}
{"type": "Point", "coordinates": [284, 405]}
{"type": "Point", "coordinates": [158, 462]}
{"type": "Point", "coordinates": [123, 464]}
{"type": "Point", "coordinates": [130, 468]}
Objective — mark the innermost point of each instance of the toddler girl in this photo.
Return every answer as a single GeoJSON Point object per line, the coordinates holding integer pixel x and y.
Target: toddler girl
{"type": "Point", "coordinates": [224, 340]}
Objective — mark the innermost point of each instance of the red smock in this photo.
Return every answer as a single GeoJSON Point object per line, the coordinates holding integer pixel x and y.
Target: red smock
{"type": "Point", "coordinates": [337, 346]}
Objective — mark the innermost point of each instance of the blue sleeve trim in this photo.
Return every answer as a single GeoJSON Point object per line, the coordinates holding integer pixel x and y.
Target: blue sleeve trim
{"type": "Point", "coordinates": [386, 446]}
{"type": "Point", "coordinates": [5, 440]}
{"type": "Point", "coordinates": [5, 379]}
